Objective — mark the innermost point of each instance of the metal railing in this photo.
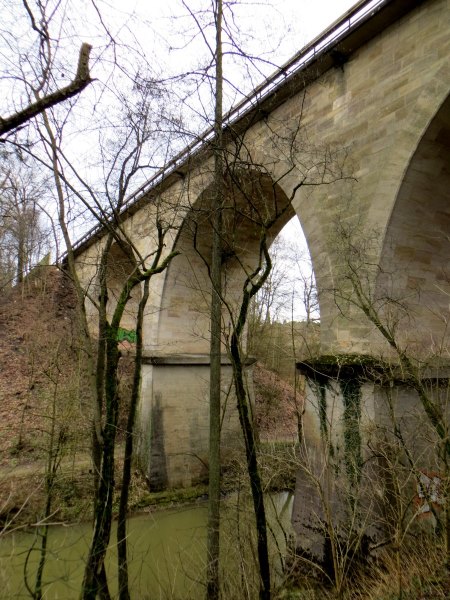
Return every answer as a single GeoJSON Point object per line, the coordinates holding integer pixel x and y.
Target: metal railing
{"type": "Point", "coordinates": [308, 54]}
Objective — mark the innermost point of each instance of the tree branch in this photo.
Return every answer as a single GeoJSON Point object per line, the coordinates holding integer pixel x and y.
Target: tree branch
{"type": "Point", "coordinates": [82, 79]}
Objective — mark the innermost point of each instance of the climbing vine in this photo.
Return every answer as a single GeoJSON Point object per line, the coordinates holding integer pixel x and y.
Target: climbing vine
{"type": "Point", "coordinates": [322, 398]}
{"type": "Point", "coordinates": [351, 393]}
{"type": "Point", "coordinates": [320, 388]}
{"type": "Point", "coordinates": [349, 371]}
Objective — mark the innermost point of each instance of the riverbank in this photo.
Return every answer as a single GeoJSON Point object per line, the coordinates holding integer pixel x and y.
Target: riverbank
{"type": "Point", "coordinates": [23, 493]}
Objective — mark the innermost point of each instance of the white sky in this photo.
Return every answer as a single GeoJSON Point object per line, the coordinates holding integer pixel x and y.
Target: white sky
{"type": "Point", "coordinates": [270, 29]}
{"type": "Point", "coordinates": [303, 19]}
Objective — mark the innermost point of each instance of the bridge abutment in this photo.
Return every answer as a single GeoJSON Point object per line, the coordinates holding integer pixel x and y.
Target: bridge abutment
{"type": "Point", "coordinates": [372, 457]}
{"type": "Point", "coordinates": [173, 431]}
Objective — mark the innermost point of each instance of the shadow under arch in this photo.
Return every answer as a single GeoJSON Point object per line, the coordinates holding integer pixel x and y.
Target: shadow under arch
{"type": "Point", "coordinates": [415, 257]}
{"type": "Point", "coordinates": [121, 264]}
{"type": "Point", "coordinates": [254, 205]}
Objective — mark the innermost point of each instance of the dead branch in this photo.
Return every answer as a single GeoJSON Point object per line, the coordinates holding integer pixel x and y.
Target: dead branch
{"type": "Point", "coordinates": [81, 80]}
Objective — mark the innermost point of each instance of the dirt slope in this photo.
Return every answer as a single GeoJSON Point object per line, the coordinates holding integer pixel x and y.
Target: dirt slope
{"type": "Point", "coordinates": [277, 406]}
{"type": "Point", "coordinates": [37, 356]}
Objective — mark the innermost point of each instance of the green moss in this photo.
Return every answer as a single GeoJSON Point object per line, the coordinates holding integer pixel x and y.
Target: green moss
{"type": "Point", "coordinates": [351, 393]}
{"type": "Point", "coordinates": [336, 366]}
{"type": "Point", "coordinates": [170, 497]}
{"type": "Point", "coordinates": [322, 397]}
{"type": "Point", "coordinates": [349, 370]}
{"type": "Point", "coordinates": [126, 335]}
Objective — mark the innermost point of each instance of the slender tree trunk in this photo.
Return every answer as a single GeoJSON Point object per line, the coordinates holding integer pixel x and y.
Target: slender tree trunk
{"type": "Point", "coordinates": [93, 583]}
{"type": "Point", "coordinates": [252, 468]}
{"type": "Point", "coordinates": [85, 335]}
{"type": "Point", "coordinates": [446, 493]}
{"type": "Point", "coordinates": [50, 475]}
{"type": "Point", "coordinates": [54, 452]}
{"type": "Point", "coordinates": [100, 367]}
{"type": "Point", "coordinates": [20, 256]}
{"type": "Point", "coordinates": [251, 287]}
{"type": "Point", "coordinates": [124, 593]}
{"type": "Point", "coordinates": [213, 541]}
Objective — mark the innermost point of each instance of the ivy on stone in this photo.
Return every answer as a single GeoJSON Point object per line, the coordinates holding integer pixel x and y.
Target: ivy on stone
{"type": "Point", "coordinates": [351, 394]}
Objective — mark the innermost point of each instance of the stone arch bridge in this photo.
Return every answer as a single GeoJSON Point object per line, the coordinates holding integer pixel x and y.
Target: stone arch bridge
{"type": "Point", "coordinates": [352, 136]}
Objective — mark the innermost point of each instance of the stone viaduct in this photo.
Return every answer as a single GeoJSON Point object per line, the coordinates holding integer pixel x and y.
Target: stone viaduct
{"type": "Point", "coordinates": [361, 119]}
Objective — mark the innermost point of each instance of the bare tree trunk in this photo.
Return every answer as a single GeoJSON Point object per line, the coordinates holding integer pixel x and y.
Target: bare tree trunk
{"type": "Point", "coordinates": [213, 541]}
{"type": "Point", "coordinates": [94, 581]}
{"type": "Point", "coordinates": [248, 429]}
{"type": "Point", "coordinates": [81, 80]}
{"type": "Point", "coordinates": [124, 592]}
{"type": "Point", "coordinates": [93, 576]}
{"type": "Point", "coordinates": [20, 259]}
{"type": "Point", "coordinates": [84, 333]}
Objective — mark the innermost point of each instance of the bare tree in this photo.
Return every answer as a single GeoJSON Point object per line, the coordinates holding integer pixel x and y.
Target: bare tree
{"type": "Point", "coordinates": [213, 588]}
{"type": "Point", "coordinates": [132, 142]}
{"type": "Point", "coordinates": [24, 236]}
{"type": "Point", "coordinates": [125, 160]}
{"type": "Point", "coordinates": [57, 434]}
{"type": "Point", "coordinates": [385, 312]}
{"type": "Point", "coordinates": [216, 26]}
{"type": "Point", "coordinates": [129, 141]}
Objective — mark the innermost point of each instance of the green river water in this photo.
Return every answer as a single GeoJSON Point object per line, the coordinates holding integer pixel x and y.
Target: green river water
{"type": "Point", "coordinates": [167, 553]}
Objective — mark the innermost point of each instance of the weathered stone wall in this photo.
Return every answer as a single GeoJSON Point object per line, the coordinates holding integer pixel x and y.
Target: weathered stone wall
{"type": "Point", "coordinates": [173, 429]}
{"type": "Point", "coordinates": [381, 107]}
{"type": "Point", "coordinates": [377, 108]}
{"type": "Point", "coordinates": [359, 470]}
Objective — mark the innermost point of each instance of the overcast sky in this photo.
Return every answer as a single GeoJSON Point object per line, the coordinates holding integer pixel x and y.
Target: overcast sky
{"type": "Point", "coordinates": [304, 18]}
{"type": "Point", "coordinates": [273, 29]}
{"type": "Point", "coordinates": [276, 28]}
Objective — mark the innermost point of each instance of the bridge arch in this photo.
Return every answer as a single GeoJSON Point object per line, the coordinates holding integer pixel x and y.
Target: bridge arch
{"type": "Point", "coordinates": [174, 411]}
{"type": "Point", "coordinates": [382, 104]}
{"type": "Point", "coordinates": [253, 201]}
{"type": "Point", "coordinates": [415, 255]}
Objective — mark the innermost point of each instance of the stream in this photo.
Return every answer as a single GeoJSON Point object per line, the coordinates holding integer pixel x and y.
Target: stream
{"type": "Point", "coordinates": [166, 553]}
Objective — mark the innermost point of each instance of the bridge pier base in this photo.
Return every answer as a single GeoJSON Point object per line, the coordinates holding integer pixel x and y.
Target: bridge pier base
{"type": "Point", "coordinates": [370, 452]}
{"type": "Point", "coordinates": [173, 420]}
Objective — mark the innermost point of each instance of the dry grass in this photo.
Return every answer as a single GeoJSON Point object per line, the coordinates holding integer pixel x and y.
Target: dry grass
{"type": "Point", "coordinates": [420, 574]}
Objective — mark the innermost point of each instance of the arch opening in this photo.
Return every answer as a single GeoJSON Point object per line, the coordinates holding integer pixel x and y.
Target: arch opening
{"type": "Point", "coordinates": [284, 325]}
